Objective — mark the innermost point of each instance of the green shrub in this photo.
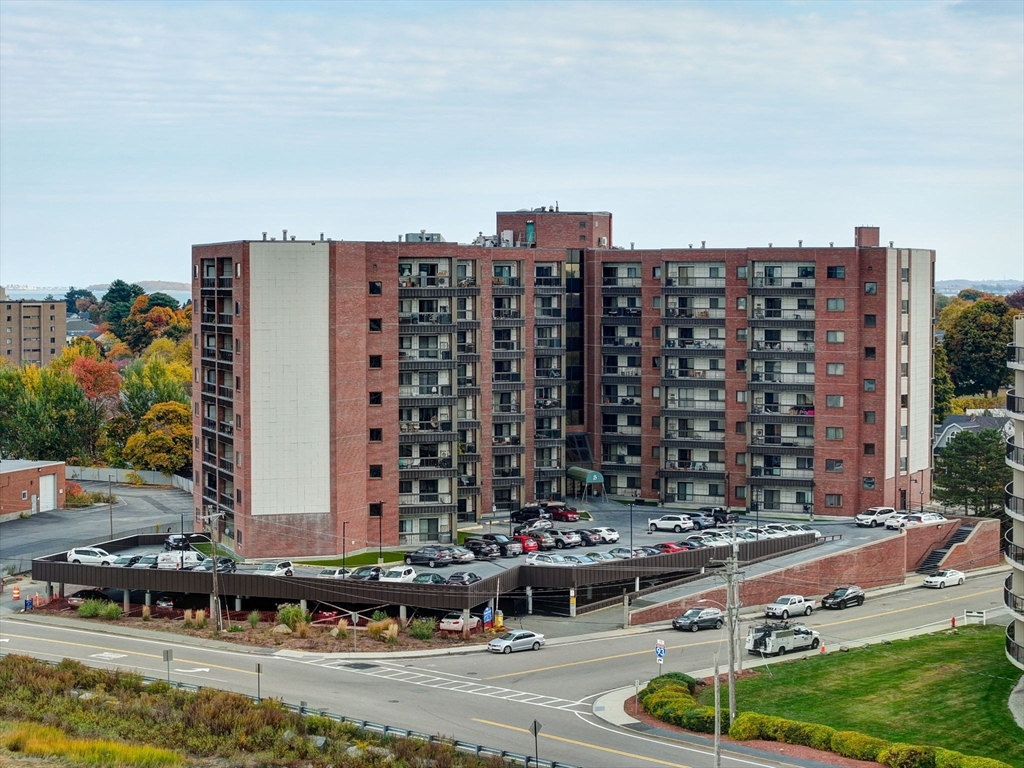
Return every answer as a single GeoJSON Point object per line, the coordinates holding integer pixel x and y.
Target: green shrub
{"type": "Point", "coordinates": [947, 758]}
{"type": "Point", "coordinates": [702, 719]}
{"type": "Point", "coordinates": [804, 734]}
{"type": "Point", "coordinates": [907, 756]}
{"type": "Point", "coordinates": [254, 618]}
{"type": "Point", "coordinates": [676, 677]}
{"type": "Point", "coordinates": [90, 609]}
{"type": "Point", "coordinates": [857, 745]}
{"type": "Point", "coordinates": [235, 628]}
{"type": "Point", "coordinates": [291, 615]}
{"type": "Point", "coordinates": [111, 612]}
{"type": "Point", "coordinates": [379, 616]}
{"type": "Point", "coordinates": [747, 726]}
{"type": "Point", "coordinates": [423, 629]}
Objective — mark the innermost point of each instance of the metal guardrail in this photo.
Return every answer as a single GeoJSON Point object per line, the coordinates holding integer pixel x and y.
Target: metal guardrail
{"type": "Point", "coordinates": [528, 761]}
{"type": "Point", "coordinates": [23, 563]}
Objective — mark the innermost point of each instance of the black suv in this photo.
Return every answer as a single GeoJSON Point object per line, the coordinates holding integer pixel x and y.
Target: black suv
{"type": "Point", "coordinates": [843, 597]}
{"type": "Point", "coordinates": [720, 514]}
{"type": "Point", "coordinates": [432, 556]}
{"type": "Point", "coordinates": [529, 513]}
{"type": "Point", "coordinates": [177, 541]}
{"type": "Point", "coordinates": [509, 547]}
{"type": "Point", "coordinates": [483, 550]}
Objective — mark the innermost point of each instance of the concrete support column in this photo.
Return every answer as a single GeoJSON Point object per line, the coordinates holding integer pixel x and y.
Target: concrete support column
{"type": "Point", "coordinates": [127, 601]}
{"type": "Point", "coordinates": [213, 606]}
{"type": "Point", "coordinates": [49, 590]}
{"type": "Point", "coordinates": [625, 611]}
{"type": "Point", "coordinates": [238, 602]}
{"type": "Point", "coordinates": [636, 585]}
{"type": "Point", "coordinates": [402, 615]}
{"type": "Point", "coordinates": [302, 604]}
{"type": "Point", "coordinates": [465, 622]}
{"type": "Point", "coordinates": [149, 597]}
{"type": "Point", "coordinates": [572, 603]}
{"type": "Point", "coordinates": [529, 601]}
{"type": "Point", "coordinates": [60, 589]}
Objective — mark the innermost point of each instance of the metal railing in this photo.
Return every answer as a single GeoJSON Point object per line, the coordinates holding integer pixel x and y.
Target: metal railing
{"type": "Point", "coordinates": [804, 474]}
{"type": "Point", "coordinates": [782, 282]}
{"type": "Point", "coordinates": [424, 498]}
{"type": "Point", "coordinates": [550, 282]}
{"type": "Point", "coordinates": [418, 462]}
{"type": "Point", "coordinates": [547, 434]}
{"type": "Point", "coordinates": [774, 377]}
{"type": "Point", "coordinates": [424, 426]}
{"type": "Point", "coordinates": [1014, 404]}
{"type": "Point", "coordinates": [694, 373]}
{"type": "Point", "coordinates": [506, 472]}
{"type": "Point", "coordinates": [620, 341]}
{"type": "Point", "coordinates": [782, 314]}
{"type": "Point", "coordinates": [423, 281]}
{"type": "Point", "coordinates": [1012, 600]}
{"type": "Point", "coordinates": [616, 400]}
{"type": "Point", "coordinates": [1014, 453]}
{"type": "Point", "coordinates": [673, 281]}
{"type": "Point", "coordinates": [1013, 504]}
{"type": "Point", "coordinates": [507, 314]}
{"type": "Point", "coordinates": [548, 343]}
{"type": "Point", "coordinates": [621, 370]}
{"type": "Point", "coordinates": [633, 461]}
{"type": "Point", "coordinates": [783, 346]}
{"type": "Point", "coordinates": [622, 312]}
{"type": "Point", "coordinates": [622, 282]}
{"type": "Point", "coordinates": [695, 466]}
{"type": "Point", "coordinates": [505, 407]}
{"type": "Point", "coordinates": [1014, 649]}
{"type": "Point", "coordinates": [695, 343]}
{"type": "Point", "coordinates": [675, 403]}
{"type": "Point", "coordinates": [791, 441]}
{"type": "Point", "coordinates": [414, 318]}
{"type": "Point", "coordinates": [508, 345]}
{"type": "Point", "coordinates": [693, 434]}
{"type": "Point", "coordinates": [511, 282]}
{"type": "Point", "coordinates": [695, 312]}
{"type": "Point", "coordinates": [620, 429]}
{"type": "Point", "coordinates": [548, 312]}
{"type": "Point", "coordinates": [506, 440]}
{"type": "Point", "coordinates": [547, 403]}
{"type": "Point", "coordinates": [1014, 354]}
{"type": "Point", "coordinates": [787, 409]}
{"type": "Point", "coordinates": [424, 354]}
{"type": "Point", "coordinates": [425, 390]}
{"type": "Point", "coordinates": [507, 376]}
{"type": "Point", "coordinates": [548, 373]}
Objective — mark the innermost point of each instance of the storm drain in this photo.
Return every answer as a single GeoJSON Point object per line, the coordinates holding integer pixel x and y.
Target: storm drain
{"type": "Point", "coordinates": [359, 665]}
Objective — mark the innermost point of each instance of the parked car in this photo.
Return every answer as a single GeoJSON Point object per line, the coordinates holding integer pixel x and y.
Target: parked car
{"type": "Point", "coordinates": [766, 533]}
{"type": "Point", "coordinates": [944, 578]}
{"type": "Point", "coordinates": [543, 558]}
{"type": "Point", "coordinates": [333, 573]}
{"type": "Point", "coordinates": [545, 540]}
{"type": "Point", "coordinates": [177, 541]}
{"type": "Point", "coordinates": [562, 513]}
{"type": "Point", "coordinates": [786, 529]}
{"type": "Point", "coordinates": [804, 528]}
{"type": "Point", "coordinates": [529, 513]}
{"type": "Point", "coordinates": [367, 573]}
{"type": "Point", "coordinates": [75, 599]}
{"type": "Point", "coordinates": [278, 568]}
{"type": "Point", "coordinates": [895, 522]}
{"type": "Point", "coordinates": [429, 578]}
{"type": "Point", "coordinates": [461, 554]}
{"type": "Point", "coordinates": [843, 597]}
{"type": "Point", "coordinates": [126, 561]}
{"type": "Point", "coordinates": [589, 538]}
{"type": "Point", "coordinates": [926, 518]}
{"type": "Point", "coordinates": [90, 556]}
{"type": "Point", "coordinates": [649, 551]}
{"type": "Point", "coordinates": [705, 539]}
{"type": "Point", "coordinates": [668, 547]}
{"type": "Point", "coordinates": [516, 640]}
{"type": "Point", "coordinates": [608, 535]}
{"type": "Point", "coordinates": [509, 547]}
{"type": "Point", "coordinates": [875, 516]}
{"type": "Point", "coordinates": [702, 520]}
{"type": "Point", "coordinates": [148, 560]}
{"type": "Point", "coordinates": [482, 549]}
{"type": "Point", "coordinates": [452, 622]}
{"type": "Point", "coordinates": [677, 523]}
{"type": "Point", "coordinates": [399, 573]}
{"type": "Point", "coordinates": [537, 524]}
{"type": "Point", "coordinates": [721, 514]}
{"type": "Point", "coordinates": [789, 605]}
{"type": "Point", "coordinates": [463, 578]}
{"type": "Point", "coordinates": [688, 544]}
{"type": "Point", "coordinates": [528, 543]}
{"type": "Point", "coordinates": [624, 553]}
{"type": "Point", "coordinates": [563, 537]}
{"type": "Point", "coordinates": [182, 559]}
{"type": "Point", "coordinates": [576, 560]}
{"type": "Point", "coordinates": [432, 556]}
{"type": "Point", "coordinates": [699, 618]}
{"type": "Point", "coordinates": [599, 557]}
{"type": "Point", "coordinates": [224, 565]}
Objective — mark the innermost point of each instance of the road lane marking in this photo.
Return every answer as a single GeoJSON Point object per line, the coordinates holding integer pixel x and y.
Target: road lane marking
{"type": "Point", "coordinates": [715, 642]}
{"type": "Point", "coordinates": [576, 743]}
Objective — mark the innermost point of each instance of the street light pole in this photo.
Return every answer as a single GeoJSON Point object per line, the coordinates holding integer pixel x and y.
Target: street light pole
{"type": "Point", "coordinates": [380, 534]}
{"type": "Point", "coordinates": [631, 528]}
{"type": "Point", "coordinates": [110, 503]}
{"type": "Point", "coordinates": [344, 545]}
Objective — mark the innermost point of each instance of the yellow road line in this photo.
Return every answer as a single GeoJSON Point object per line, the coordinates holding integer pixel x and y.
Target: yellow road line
{"type": "Point", "coordinates": [716, 642]}
{"type": "Point", "coordinates": [576, 743]}
{"type": "Point", "coordinates": [127, 652]}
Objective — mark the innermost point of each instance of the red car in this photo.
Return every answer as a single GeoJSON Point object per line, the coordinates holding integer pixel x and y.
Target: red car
{"type": "Point", "coordinates": [562, 513]}
{"type": "Point", "coordinates": [668, 547]}
{"type": "Point", "coordinates": [529, 543]}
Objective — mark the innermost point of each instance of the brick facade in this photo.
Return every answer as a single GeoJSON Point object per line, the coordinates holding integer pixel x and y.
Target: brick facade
{"type": "Point", "coordinates": [21, 483]}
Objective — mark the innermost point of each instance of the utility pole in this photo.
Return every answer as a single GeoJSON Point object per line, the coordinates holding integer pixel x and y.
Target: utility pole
{"type": "Point", "coordinates": [732, 617]}
{"type": "Point", "coordinates": [110, 503]}
{"type": "Point", "coordinates": [212, 518]}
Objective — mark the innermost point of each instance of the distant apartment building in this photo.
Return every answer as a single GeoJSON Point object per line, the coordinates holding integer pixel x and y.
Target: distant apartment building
{"type": "Point", "coordinates": [389, 391]}
{"type": "Point", "coordinates": [1013, 591]}
{"type": "Point", "coordinates": [33, 332]}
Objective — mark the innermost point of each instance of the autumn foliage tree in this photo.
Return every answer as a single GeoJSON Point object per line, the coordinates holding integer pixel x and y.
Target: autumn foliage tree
{"type": "Point", "coordinates": [164, 440]}
{"type": "Point", "coordinates": [975, 343]}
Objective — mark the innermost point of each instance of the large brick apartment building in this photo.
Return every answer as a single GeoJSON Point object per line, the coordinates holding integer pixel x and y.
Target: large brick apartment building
{"type": "Point", "coordinates": [33, 332]}
{"type": "Point", "coordinates": [387, 391]}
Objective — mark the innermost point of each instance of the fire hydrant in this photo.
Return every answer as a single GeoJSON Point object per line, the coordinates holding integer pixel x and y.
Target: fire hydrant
{"type": "Point", "coordinates": [952, 622]}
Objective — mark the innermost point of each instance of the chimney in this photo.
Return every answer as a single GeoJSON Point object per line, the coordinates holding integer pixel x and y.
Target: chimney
{"type": "Point", "coordinates": [284, 235]}
{"type": "Point", "coordinates": [866, 237]}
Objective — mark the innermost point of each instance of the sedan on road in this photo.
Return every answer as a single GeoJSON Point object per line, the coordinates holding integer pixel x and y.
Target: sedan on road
{"type": "Point", "coordinates": [90, 556]}
{"type": "Point", "coordinates": [432, 556]}
{"type": "Point", "coordinates": [516, 640]}
{"type": "Point", "coordinates": [944, 578]}
{"type": "Point", "coordinates": [843, 597]}
{"type": "Point", "coordinates": [699, 618]}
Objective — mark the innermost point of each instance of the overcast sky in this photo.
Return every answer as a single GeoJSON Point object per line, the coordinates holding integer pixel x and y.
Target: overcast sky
{"type": "Point", "coordinates": [129, 131]}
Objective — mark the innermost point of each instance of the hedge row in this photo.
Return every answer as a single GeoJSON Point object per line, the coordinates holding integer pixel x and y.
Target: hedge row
{"type": "Point", "coordinates": [670, 699]}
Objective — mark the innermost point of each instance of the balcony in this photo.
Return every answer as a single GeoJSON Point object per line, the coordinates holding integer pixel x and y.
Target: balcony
{"type": "Point", "coordinates": [425, 390]}
{"type": "Point", "coordinates": [225, 428]}
{"type": "Point", "coordinates": [773, 377]}
{"type": "Point", "coordinates": [621, 341]}
{"type": "Point", "coordinates": [465, 316]}
{"type": "Point", "coordinates": [687, 404]}
{"type": "Point", "coordinates": [782, 346]}
{"type": "Point", "coordinates": [1014, 455]}
{"type": "Point", "coordinates": [468, 481]}
{"type": "Point", "coordinates": [507, 314]}
{"type": "Point", "coordinates": [695, 466]}
{"type": "Point", "coordinates": [507, 377]}
{"type": "Point", "coordinates": [782, 282]}
{"type": "Point", "coordinates": [466, 348]}
{"type": "Point", "coordinates": [620, 429]}
{"type": "Point", "coordinates": [505, 408]}
{"type": "Point", "coordinates": [508, 282]}
{"type": "Point", "coordinates": [695, 313]}
{"type": "Point", "coordinates": [782, 314]}
{"type": "Point", "coordinates": [688, 344]}
{"type": "Point", "coordinates": [409, 355]}
{"type": "Point", "coordinates": [424, 281]}
{"type": "Point", "coordinates": [506, 346]}
{"type": "Point", "coordinates": [550, 313]}
{"type": "Point", "coordinates": [695, 435]}
{"type": "Point", "coordinates": [782, 408]}
{"type": "Point", "coordinates": [209, 282]}
{"type": "Point", "coordinates": [506, 472]}
{"type": "Point", "coordinates": [693, 498]}
{"type": "Point", "coordinates": [626, 312]}
{"type": "Point", "coordinates": [224, 282]}
{"type": "Point", "coordinates": [548, 373]}
{"type": "Point", "coordinates": [782, 472]}
{"type": "Point", "coordinates": [425, 426]}
{"type": "Point", "coordinates": [621, 461]}
{"type": "Point", "coordinates": [620, 370]}
{"type": "Point", "coordinates": [1014, 552]}
{"type": "Point", "coordinates": [1012, 601]}
{"type": "Point", "coordinates": [546, 403]}
{"type": "Point", "coordinates": [1015, 356]}
{"type": "Point", "coordinates": [790, 441]}
{"type": "Point", "coordinates": [1014, 504]}
{"type": "Point", "coordinates": [466, 381]}
{"type": "Point", "coordinates": [694, 373]}
{"type": "Point", "coordinates": [421, 462]}
{"type": "Point", "coordinates": [621, 401]}
{"type": "Point", "coordinates": [1014, 650]}
{"type": "Point", "coordinates": [1014, 404]}
{"type": "Point", "coordinates": [694, 282]}
{"type": "Point", "coordinates": [547, 282]}
{"type": "Point", "coordinates": [409, 499]}
{"type": "Point", "coordinates": [424, 318]}
{"type": "Point", "coordinates": [621, 282]}
{"type": "Point", "coordinates": [548, 343]}
{"type": "Point", "coordinates": [506, 440]}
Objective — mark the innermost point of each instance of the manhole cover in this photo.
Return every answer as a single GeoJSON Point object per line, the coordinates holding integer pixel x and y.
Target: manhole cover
{"type": "Point", "coordinates": [359, 665]}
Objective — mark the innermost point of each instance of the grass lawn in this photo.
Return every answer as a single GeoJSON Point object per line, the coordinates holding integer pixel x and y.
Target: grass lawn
{"type": "Point", "coordinates": [207, 549]}
{"type": "Point", "coordinates": [351, 561]}
{"type": "Point", "coordinates": [940, 690]}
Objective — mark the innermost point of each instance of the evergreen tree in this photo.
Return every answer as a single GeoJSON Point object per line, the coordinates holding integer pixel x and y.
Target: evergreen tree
{"type": "Point", "coordinates": [943, 384]}
{"type": "Point", "coordinates": [971, 472]}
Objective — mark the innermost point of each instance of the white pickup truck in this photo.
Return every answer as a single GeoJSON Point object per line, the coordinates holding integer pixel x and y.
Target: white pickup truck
{"type": "Point", "coordinates": [777, 639]}
{"type": "Point", "coordinates": [789, 605]}
{"type": "Point", "coordinates": [677, 523]}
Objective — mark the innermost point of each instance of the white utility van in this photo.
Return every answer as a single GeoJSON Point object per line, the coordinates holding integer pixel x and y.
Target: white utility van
{"type": "Point", "coordinates": [180, 559]}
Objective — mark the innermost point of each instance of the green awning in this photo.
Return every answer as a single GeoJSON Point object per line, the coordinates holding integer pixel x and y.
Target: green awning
{"type": "Point", "coordinates": [583, 475]}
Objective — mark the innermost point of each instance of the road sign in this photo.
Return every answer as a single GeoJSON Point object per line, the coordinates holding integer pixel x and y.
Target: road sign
{"type": "Point", "coordinates": [659, 651]}
{"type": "Point", "coordinates": [535, 728]}
{"type": "Point", "coordinates": [488, 616]}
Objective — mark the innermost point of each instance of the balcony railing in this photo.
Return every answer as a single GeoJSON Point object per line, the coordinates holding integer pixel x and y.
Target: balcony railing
{"type": "Point", "coordinates": [505, 440]}
{"type": "Point", "coordinates": [548, 373]}
{"type": "Point", "coordinates": [620, 429]}
{"type": "Point", "coordinates": [226, 428]}
{"type": "Point", "coordinates": [783, 440]}
{"type": "Point", "coordinates": [782, 314]}
{"type": "Point", "coordinates": [546, 403]}
{"type": "Point", "coordinates": [547, 434]}
{"type": "Point", "coordinates": [420, 462]}
{"type": "Point", "coordinates": [1013, 551]}
{"type": "Point", "coordinates": [548, 312]}
{"type": "Point", "coordinates": [622, 282]}
{"type": "Point", "coordinates": [224, 318]}
{"type": "Point", "coordinates": [706, 405]}
{"type": "Point", "coordinates": [782, 408]}
{"type": "Point", "coordinates": [782, 378]}
{"type": "Point", "coordinates": [225, 392]}
{"type": "Point", "coordinates": [548, 343]}
{"type": "Point", "coordinates": [468, 481]}
{"type": "Point", "coordinates": [673, 281]}
{"type": "Point", "coordinates": [505, 408]}
{"type": "Point", "coordinates": [414, 539]}
{"type": "Point", "coordinates": [209, 317]}
{"type": "Point", "coordinates": [209, 389]}
{"type": "Point", "coordinates": [692, 312]}
{"type": "Point", "coordinates": [1014, 649]}
{"type": "Point", "coordinates": [1014, 453]}
{"type": "Point", "coordinates": [782, 282]}
{"type": "Point", "coordinates": [466, 381]}
{"type": "Point", "coordinates": [466, 348]}
{"type": "Point", "coordinates": [424, 498]}
{"type": "Point", "coordinates": [693, 373]}
{"type": "Point", "coordinates": [802, 474]}
{"type": "Point", "coordinates": [783, 346]}
{"type": "Point", "coordinates": [511, 282]}
{"type": "Point", "coordinates": [693, 498]}
{"type": "Point", "coordinates": [506, 472]}
{"type": "Point", "coordinates": [621, 370]}
{"type": "Point", "coordinates": [425, 390]}
{"type": "Point", "coordinates": [209, 282]}
{"type": "Point", "coordinates": [507, 314]}
{"type": "Point", "coordinates": [550, 282]}
{"type": "Point", "coordinates": [416, 318]}
{"type": "Point", "coordinates": [1014, 404]}
{"type": "Point", "coordinates": [506, 346]}
{"type": "Point", "coordinates": [425, 426]}
{"type": "Point", "coordinates": [508, 376]}
{"type": "Point", "coordinates": [620, 341]}
{"type": "Point", "coordinates": [1012, 601]}
{"type": "Point", "coordinates": [465, 314]}
{"type": "Point", "coordinates": [465, 448]}
{"type": "Point", "coordinates": [1015, 354]}
{"type": "Point", "coordinates": [547, 463]}
{"type": "Point", "coordinates": [693, 434]}
{"type": "Point", "coordinates": [695, 466]}
{"type": "Point", "coordinates": [610, 400]}
{"type": "Point", "coordinates": [466, 281]}
{"type": "Point", "coordinates": [1013, 504]}
{"type": "Point", "coordinates": [223, 282]}
{"type": "Point", "coordinates": [695, 343]}
{"type": "Point", "coordinates": [465, 415]}
{"type": "Point", "coordinates": [629, 461]}
{"type": "Point", "coordinates": [622, 312]}
{"type": "Point", "coordinates": [423, 281]}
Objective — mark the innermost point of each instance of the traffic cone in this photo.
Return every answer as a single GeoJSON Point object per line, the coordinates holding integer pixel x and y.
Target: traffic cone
{"type": "Point", "coordinates": [822, 648]}
{"type": "Point", "coordinates": [16, 594]}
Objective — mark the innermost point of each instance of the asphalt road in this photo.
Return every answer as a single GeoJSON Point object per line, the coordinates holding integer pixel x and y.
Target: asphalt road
{"type": "Point", "coordinates": [490, 699]}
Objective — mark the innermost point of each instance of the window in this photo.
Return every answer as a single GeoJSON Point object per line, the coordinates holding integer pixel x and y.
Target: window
{"type": "Point", "coordinates": [656, 452]}
{"type": "Point", "coordinates": [835, 369]}
{"type": "Point", "coordinates": [376, 398]}
{"type": "Point", "coordinates": [870, 321]}
{"type": "Point", "coordinates": [869, 385]}
{"type": "Point", "coordinates": [871, 288]}
{"type": "Point", "coordinates": [656, 393]}
{"type": "Point", "coordinates": [24, 495]}
{"type": "Point", "coordinates": [833, 499]}
{"type": "Point", "coordinates": [741, 395]}
{"type": "Point", "coordinates": [868, 483]}
{"type": "Point", "coordinates": [656, 272]}
{"type": "Point", "coordinates": [741, 459]}
{"type": "Point", "coordinates": [835, 305]}
{"type": "Point", "coordinates": [238, 308]}
{"type": "Point", "coordinates": [741, 365]}
{"type": "Point", "coordinates": [869, 417]}
{"type": "Point", "coordinates": [377, 507]}
{"type": "Point", "coordinates": [655, 363]}
{"type": "Point", "coordinates": [903, 401]}
{"type": "Point", "coordinates": [833, 433]}
{"type": "Point", "coordinates": [376, 288]}
{"type": "Point", "coordinates": [805, 462]}
{"type": "Point", "coordinates": [905, 275]}
{"type": "Point", "coordinates": [583, 238]}
{"type": "Point", "coordinates": [376, 435]}
{"type": "Point", "coordinates": [836, 273]}
{"type": "Point", "coordinates": [238, 495]}
{"type": "Point", "coordinates": [833, 401]}
{"type": "Point", "coordinates": [583, 225]}
{"type": "Point", "coordinates": [869, 449]}
{"type": "Point", "coordinates": [835, 337]}
{"type": "Point", "coordinates": [741, 273]}
{"type": "Point", "coordinates": [833, 465]}
{"type": "Point", "coordinates": [238, 383]}
{"type": "Point", "coordinates": [655, 422]}
{"type": "Point", "coordinates": [377, 471]}
{"type": "Point", "coordinates": [376, 325]}
{"type": "Point", "coordinates": [905, 307]}
{"type": "Point", "coordinates": [656, 302]}
{"type": "Point", "coordinates": [741, 334]}
{"type": "Point", "coordinates": [904, 338]}
{"type": "Point", "coordinates": [903, 433]}
{"type": "Point", "coordinates": [870, 353]}
{"type": "Point", "coordinates": [904, 369]}
{"type": "Point", "coordinates": [376, 361]}
{"type": "Point", "coordinates": [656, 332]}
{"type": "Point", "coordinates": [741, 303]}
{"type": "Point", "coordinates": [903, 463]}
{"type": "Point", "coordinates": [741, 427]}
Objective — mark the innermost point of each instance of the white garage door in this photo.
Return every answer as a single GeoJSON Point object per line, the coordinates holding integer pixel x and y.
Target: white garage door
{"type": "Point", "coordinates": [47, 492]}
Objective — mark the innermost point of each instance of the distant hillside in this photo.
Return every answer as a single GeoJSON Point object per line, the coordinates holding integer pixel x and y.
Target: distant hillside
{"type": "Point", "coordinates": [1001, 287]}
{"type": "Point", "coordinates": [150, 286]}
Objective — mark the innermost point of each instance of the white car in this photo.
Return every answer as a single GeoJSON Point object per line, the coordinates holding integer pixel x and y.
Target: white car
{"type": "Point", "coordinates": [926, 518]}
{"type": "Point", "coordinates": [452, 622]}
{"type": "Point", "coordinates": [944, 578]}
{"type": "Point", "coordinates": [766, 533]}
{"type": "Point", "coordinates": [399, 573]}
{"type": "Point", "coordinates": [333, 573]}
{"type": "Point", "coordinates": [90, 556]}
{"type": "Point", "coordinates": [874, 516]}
{"type": "Point", "coordinates": [280, 568]}
{"type": "Point", "coordinates": [804, 528]}
{"type": "Point", "coordinates": [895, 522]}
{"type": "Point", "coordinates": [608, 535]}
{"type": "Point", "coordinates": [676, 523]}
{"type": "Point", "coordinates": [516, 640]}
{"type": "Point", "coordinates": [545, 558]}
{"type": "Point", "coordinates": [784, 528]}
